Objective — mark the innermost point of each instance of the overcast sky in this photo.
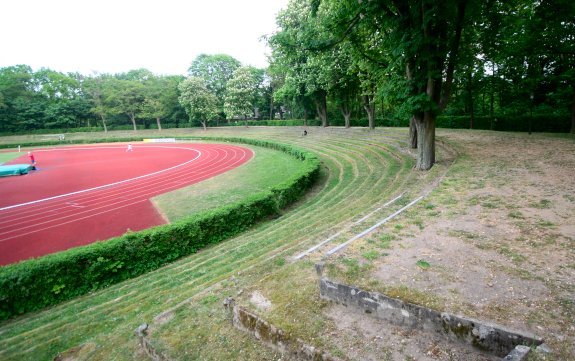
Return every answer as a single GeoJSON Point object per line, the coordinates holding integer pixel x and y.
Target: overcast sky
{"type": "Point", "coordinates": [113, 36]}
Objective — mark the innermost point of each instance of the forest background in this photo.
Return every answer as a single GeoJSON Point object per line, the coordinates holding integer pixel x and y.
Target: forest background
{"type": "Point", "coordinates": [503, 65]}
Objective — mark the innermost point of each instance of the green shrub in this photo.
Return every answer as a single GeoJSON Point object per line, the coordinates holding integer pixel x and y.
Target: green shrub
{"type": "Point", "coordinates": [55, 142]}
{"type": "Point", "coordinates": [34, 284]}
{"type": "Point", "coordinates": [271, 123]}
{"type": "Point", "coordinates": [548, 123]}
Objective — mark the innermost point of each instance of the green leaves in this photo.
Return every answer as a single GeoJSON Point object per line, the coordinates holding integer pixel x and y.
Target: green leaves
{"type": "Point", "coordinates": [423, 264]}
{"type": "Point", "coordinates": [215, 70]}
{"type": "Point", "coordinates": [198, 101]}
{"type": "Point", "coordinates": [242, 92]}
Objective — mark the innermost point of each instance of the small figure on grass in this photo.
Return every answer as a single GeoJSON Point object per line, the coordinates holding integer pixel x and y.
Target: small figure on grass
{"type": "Point", "coordinates": [304, 132]}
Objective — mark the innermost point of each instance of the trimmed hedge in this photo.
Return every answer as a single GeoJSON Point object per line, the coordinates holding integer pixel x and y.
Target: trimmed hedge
{"type": "Point", "coordinates": [269, 123]}
{"type": "Point", "coordinates": [538, 123]}
{"type": "Point", "coordinates": [547, 123]}
{"type": "Point", "coordinates": [47, 143]}
{"type": "Point", "coordinates": [34, 284]}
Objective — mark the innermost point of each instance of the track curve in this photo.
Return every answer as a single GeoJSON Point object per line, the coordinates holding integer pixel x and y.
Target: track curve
{"type": "Point", "coordinates": [83, 194]}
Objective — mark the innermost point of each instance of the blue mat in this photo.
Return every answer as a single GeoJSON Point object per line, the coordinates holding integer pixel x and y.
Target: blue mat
{"type": "Point", "coordinates": [15, 169]}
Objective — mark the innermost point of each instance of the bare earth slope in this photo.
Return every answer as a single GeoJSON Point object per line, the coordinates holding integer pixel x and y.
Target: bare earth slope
{"type": "Point", "coordinates": [498, 234]}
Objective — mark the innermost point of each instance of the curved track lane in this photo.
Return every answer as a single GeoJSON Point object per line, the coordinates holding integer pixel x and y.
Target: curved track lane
{"type": "Point", "coordinates": [83, 194]}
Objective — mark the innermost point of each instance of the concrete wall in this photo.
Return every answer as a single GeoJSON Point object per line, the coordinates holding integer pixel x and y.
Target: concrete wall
{"type": "Point", "coordinates": [275, 338]}
{"type": "Point", "coordinates": [486, 337]}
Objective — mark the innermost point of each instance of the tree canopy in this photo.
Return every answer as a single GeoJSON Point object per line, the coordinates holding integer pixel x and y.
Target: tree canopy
{"type": "Point", "coordinates": [414, 55]}
{"type": "Point", "coordinates": [198, 101]}
{"type": "Point", "coordinates": [492, 64]}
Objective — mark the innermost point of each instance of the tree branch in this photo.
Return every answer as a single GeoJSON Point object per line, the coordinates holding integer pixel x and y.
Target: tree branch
{"type": "Point", "coordinates": [345, 34]}
{"type": "Point", "coordinates": [461, 7]}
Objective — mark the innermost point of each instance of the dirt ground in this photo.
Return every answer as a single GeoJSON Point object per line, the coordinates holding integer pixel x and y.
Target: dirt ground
{"type": "Point", "coordinates": [499, 235]}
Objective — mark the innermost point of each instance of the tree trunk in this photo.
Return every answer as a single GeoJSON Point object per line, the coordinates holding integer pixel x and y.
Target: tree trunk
{"type": "Point", "coordinates": [346, 112]}
{"type": "Point", "coordinates": [104, 123]}
{"type": "Point", "coordinates": [425, 141]}
{"type": "Point", "coordinates": [413, 133]}
{"type": "Point", "coordinates": [204, 124]}
{"type": "Point", "coordinates": [133, 119]}
{"type": "Point", "coordinates": [573, 115]}
{"type": "Point", "coordinates": [470, 97]}
{"type": "Point", "coordinates": [159, 124]}
{"type": "Point", "coordinates": [321, 107]}
{"type": "Point", "coordinates": [459, 23]}
{"type": "Point", "coordinates": [492, 96]}
{"type": "Point", "coordinates": [369, 106]}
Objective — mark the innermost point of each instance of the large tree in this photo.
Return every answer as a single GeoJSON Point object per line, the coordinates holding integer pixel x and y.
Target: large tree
{"type": "Point", "coordinates": [198, 101]}
{"type": "Point", "coordinates": [96, 87]}
{"type": "Point", "coordinates": [532, 58]}
{"type": "Point", "coordinates": [216, 70]}
{"type": "Point", "coordinates": [128, 97]}
{"type": "Point", "coordinates": [306, 71]}
{"type": "Point", "coordinates": [160, 97]}
{"type": "Point", "coordinates": [421, 36]}
{"type": "Point", "coordinates": [242, 92]}
{"type": "Point", "coordinates": [16, 93]}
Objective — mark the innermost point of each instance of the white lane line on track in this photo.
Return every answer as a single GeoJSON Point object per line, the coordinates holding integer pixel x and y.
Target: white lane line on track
{"type": "Point", "coordinates": [102, 202]}
{"type": "Point", "coordinates": [74, 205]}
{"type": "Point", "coordinates": [145, 192]}
{"type": "Point", "coordinates": [70, 221]}
{"type": "Point", "coordinates": [105, 185]}
{"type": "Point", "coordinates": [147, 187]}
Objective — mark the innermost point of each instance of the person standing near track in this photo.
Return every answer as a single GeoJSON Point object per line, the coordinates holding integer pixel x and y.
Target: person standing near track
{"type": "Point", "coordinates": [32, 159]}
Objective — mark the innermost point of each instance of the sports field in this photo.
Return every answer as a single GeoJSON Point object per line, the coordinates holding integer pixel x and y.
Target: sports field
{"type": "Point", "coordinates": [492, 240]}
{"type": "Point", "coordinates": [82, 194]}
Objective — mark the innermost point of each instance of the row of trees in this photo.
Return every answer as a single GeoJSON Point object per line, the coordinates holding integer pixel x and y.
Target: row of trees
{"type": "Point", "coordinates": [408, 61]}
{"type": "Point", "coordinates": [48, 99]}
{"type": "Point", "coordinates": [218, 87]}
{"type": "Point", "coordinates": [420, 58]}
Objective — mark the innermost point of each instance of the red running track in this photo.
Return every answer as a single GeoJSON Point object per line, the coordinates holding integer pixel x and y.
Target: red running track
{"type": "Point", "coordinates": [83, 194]}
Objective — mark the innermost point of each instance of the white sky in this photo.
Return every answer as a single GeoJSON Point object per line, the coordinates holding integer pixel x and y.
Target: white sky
{"type": "Point", "coordinates": [113, 36]}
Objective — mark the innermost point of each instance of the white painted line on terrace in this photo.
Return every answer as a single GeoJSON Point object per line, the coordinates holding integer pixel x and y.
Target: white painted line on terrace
{"type": "Point", "coordinates": [377, 225]}
{"type": "Point", "coordinates": [312, 249]}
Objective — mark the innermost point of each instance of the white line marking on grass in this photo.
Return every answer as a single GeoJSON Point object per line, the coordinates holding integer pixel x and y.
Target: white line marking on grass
{"type": "Point", "coordinates": [106, 185]}
{"type": "Point", "coordinates": [312, 249]}
{"type": "Point", "coordinates": [377, 225]}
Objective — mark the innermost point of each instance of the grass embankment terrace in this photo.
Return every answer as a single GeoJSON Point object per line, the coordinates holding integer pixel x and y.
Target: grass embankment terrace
{"type": "Point", "coordinates": [361, 170]}
{"type": "Point", "coordinates": [48, 280]}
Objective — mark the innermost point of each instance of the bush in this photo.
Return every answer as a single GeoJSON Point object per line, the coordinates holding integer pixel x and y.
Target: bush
{"type": "Point", "coordinates": [549, 123]}
{"type": "Point", "coordinates": [69, 142]}
{"type": "Point", "coordinates": [270, 123]}
{"type": "Point", "coordinates": [34, 284]}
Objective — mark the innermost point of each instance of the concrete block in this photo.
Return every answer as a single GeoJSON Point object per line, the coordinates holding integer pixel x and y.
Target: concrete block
{"type": "Point", "coordinates": [484, 336]}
